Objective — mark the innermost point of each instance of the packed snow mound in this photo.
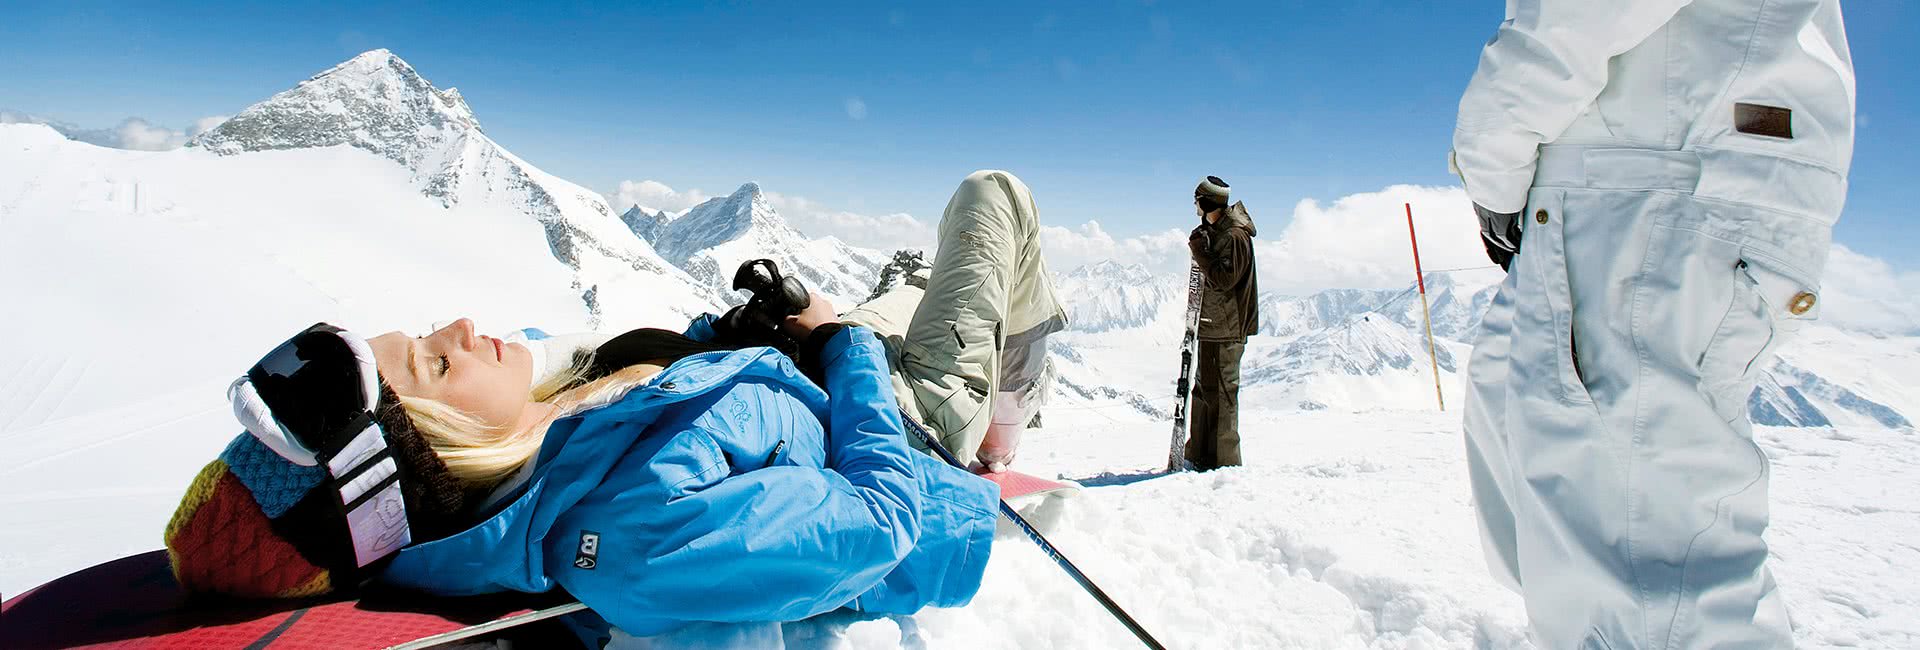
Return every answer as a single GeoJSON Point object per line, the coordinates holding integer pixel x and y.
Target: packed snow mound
{"type": "Point", "coordinates": [1107, 296]}
{"type": "Point", "coordinates": [378, 103]}
{"type": "Point", "coordinates": [712, 239]}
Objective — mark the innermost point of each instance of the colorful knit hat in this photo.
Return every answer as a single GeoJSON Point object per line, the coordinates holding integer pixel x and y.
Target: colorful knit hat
{"type": "Point", "coordinates": [328, 481]}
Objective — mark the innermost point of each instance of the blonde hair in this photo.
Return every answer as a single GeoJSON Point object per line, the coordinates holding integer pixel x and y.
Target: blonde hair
{"type": "Point", "coordinates": [482, 456]}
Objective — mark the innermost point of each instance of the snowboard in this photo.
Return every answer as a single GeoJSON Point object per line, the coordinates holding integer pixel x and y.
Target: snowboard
{"type": "Point", "coordinates": [1189, 346]}
{"type": "Point", "coordinates": [1042, 502]}
{"type": "Point", "coordinates": [1015, 485]}
{"type": "Point", "coordinates": [135, 602]}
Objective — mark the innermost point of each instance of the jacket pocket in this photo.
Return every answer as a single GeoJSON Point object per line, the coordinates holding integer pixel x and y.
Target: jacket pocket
{"type": "Point", "coordinates": [755, 426]}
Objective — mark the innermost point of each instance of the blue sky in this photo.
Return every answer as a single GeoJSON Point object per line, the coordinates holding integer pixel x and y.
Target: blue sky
{"type": "Point", "coordinates": [1109, 110]}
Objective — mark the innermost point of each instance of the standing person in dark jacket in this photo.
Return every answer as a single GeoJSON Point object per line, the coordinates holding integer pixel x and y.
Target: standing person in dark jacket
{"type": "Point", "coordinates": [1222, 246]}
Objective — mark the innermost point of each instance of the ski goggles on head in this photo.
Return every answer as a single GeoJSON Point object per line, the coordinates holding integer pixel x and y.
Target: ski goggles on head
{"type": "Point", "coordinates": [311, 401]}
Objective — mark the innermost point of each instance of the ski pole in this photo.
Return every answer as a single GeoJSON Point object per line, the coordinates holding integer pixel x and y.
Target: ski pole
{"type": "Point", "coordinates": [1432, 354]}
{"type": "Point", "coordinates": [1034, 534]}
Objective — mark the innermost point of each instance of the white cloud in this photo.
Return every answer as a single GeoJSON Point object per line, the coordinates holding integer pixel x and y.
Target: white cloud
{"type": "Point", "coordinates": [136, 133]}
{"type": "Point", "coordinates": [856, 108]}
{"type": "Point", "coordinates": [653, 196]}
{"type": "Point", "coordinates": [1360, 240]}
{"type": "Point", "coordinates": [884, 232]}
{"type": "Point", "coordinates": [1866, 293]}
{"type": "Point", "coordinates": [1070, 248]}
{"type": "Point", "coordinates": [206, 124]}
{"type": "Point", "coordinates": [132, 133]}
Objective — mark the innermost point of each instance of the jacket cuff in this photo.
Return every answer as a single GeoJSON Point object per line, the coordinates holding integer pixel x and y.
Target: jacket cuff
{"type": "Point", "coordinates": [702, 328]}
{"type": "Point", "coordinates": [813, 361]}
{"type": "Point", "coordinates": [1489, 183]}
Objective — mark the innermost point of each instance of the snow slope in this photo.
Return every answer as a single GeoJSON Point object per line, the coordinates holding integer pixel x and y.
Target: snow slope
{"type": "Point", "coordinates": [377, 103]}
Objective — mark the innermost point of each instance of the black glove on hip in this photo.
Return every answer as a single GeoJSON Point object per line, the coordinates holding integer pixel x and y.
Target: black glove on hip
{"type": "Point", "coordinates": [1500, 232]}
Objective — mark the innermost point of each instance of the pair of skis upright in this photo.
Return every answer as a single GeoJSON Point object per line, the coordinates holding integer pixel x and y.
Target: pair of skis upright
{"type": "Point", "coordinates": [1182, 391]}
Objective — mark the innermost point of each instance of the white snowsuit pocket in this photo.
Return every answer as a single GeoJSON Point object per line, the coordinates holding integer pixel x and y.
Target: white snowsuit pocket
{"type": "Point", "coordinates": [1549, 309]}
{"type": "Point", "coordinates": [1759, 320]}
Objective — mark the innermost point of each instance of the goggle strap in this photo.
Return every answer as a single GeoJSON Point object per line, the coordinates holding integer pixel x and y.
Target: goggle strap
{"type": "Point", "coordinates": [379, 525]}
{"type": "Point", "coordinates": [368, 481]}
{"type": "Point", "coordinates": [362, 447]}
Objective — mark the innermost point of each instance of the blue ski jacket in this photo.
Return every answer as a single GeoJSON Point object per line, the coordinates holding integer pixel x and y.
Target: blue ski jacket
{"type": "Point", "coordinates": [730, 488]}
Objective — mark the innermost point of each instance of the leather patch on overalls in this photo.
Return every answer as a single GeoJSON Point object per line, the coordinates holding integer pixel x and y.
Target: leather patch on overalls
{"type": "Point", "coordinates": [1770, 121]}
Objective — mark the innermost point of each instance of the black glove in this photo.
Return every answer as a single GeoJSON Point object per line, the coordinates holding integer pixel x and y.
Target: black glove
{"type": "Point", "coordinates": [1200, 242]}
{"type": "Point", "coordinates": [1500, 232]}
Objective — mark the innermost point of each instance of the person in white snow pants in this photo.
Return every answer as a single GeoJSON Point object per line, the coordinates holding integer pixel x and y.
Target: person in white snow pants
{"type": "Point", "coordinates": [1660, 178]}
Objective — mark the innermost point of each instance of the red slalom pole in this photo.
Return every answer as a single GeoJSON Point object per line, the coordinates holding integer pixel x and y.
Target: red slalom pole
{"type": "Point", "coordinates": [1425, 314]}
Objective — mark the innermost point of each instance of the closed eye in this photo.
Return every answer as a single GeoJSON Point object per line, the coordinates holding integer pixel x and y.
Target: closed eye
{"type": "Point", "coordinates": [446, 365]}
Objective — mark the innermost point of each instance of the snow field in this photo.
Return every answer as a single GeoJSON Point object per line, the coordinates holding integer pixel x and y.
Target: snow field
{"type": "Point", "coordinates": [1339, 533]}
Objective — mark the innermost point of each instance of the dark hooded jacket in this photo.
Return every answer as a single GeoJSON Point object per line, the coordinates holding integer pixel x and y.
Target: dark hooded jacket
{"type": "Point", "coordinates": [1229, 303]}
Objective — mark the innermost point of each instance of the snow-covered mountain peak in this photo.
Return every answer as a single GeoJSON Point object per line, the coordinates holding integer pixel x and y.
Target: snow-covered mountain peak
{"type": "Point", "coordinates": [744, 214]}
{"type": "Point", "coordinates": [374, 101]}
{"type": "Point", "coordinates": [457, 103]}
{"type": "Point", "coordinates": [1108, 295]}
{"type": "Point", "coordinates": [648, 225]}
{"type": "Point", "coordinates": [745, 208]}
{"type": "Point", "coordinates": [377, 103]}
{"type": "Point", "coordinates": [710, 241]}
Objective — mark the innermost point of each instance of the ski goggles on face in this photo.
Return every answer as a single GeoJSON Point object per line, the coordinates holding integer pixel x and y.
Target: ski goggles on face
{"type": "Point", "coordinates": [311, 400]}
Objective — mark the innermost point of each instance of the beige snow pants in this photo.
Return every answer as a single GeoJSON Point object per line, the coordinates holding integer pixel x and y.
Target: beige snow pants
{"type": "Point", "coordinates": [989, 293]}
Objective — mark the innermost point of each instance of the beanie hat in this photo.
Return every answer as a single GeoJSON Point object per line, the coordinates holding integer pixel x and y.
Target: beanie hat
{"type": "Point", "coordinates": [1211, 193]}
{"type": "Point", "coordinates": [329, 480]}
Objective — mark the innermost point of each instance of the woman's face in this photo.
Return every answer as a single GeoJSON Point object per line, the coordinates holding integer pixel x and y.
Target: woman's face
{"type": "Point", "coordinates": [483, 376]}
